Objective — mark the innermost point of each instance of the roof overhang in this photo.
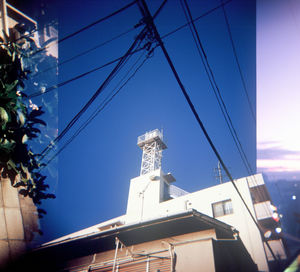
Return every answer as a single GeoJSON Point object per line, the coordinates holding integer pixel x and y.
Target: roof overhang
{"type": "Point", "coordinates": [160, 228]}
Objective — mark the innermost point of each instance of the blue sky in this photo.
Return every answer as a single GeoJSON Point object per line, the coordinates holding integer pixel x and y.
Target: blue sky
{"type": "Point", "coordinates": [95, 169]}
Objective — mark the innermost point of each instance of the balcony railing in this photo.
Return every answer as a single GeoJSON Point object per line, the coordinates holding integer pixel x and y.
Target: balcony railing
{"type": "Point", "coordinates": [175, 192]}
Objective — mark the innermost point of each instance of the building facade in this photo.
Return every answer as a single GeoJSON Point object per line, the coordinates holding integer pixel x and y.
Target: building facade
{"type": "Point", "coordinates": [151, 195]}
{"type": "Point", "coordinates": [185, 241]}
{"type": "Point", "coordinates": [168, 229]}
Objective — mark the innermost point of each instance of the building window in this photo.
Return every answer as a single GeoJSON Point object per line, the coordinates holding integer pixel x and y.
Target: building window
{"type": "Point", "coordinates": [222, 208]}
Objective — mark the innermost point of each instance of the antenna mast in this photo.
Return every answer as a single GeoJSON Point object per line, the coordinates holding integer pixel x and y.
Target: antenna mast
{"type": "Point", "coordinates": [219, 175]}
{"type": "Point", "coordinates": [152, 145]}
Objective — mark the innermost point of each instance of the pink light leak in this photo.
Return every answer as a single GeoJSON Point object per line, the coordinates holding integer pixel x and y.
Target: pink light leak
{"type": "Point", "coordinates": [278, 83]}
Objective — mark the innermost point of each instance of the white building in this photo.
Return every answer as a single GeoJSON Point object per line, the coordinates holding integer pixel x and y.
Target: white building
{"type": "Point", "coordinates": [152, 196]}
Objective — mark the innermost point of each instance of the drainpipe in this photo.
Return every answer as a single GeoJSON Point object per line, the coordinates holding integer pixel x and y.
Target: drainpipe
{"type": "Point", "coordinates": [116, 253]}
{"type": "Point", "coordinates": [172, 255]}
{"type": "Point", "coordinates": [148, 265]}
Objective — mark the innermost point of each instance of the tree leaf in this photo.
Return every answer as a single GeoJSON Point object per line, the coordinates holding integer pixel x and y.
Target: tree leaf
{"type": "Point", "coordinates": [10, 87]}
{"type": "Point", "coordinates": [39, 121]}
{"type": "Point", "coordinates": [12, 165]}
{"type": "Point", "coordinates": [35, 113]}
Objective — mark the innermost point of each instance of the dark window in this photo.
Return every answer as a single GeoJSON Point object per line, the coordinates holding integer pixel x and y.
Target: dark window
{"type": "Point", "coordinates": [222, 208]}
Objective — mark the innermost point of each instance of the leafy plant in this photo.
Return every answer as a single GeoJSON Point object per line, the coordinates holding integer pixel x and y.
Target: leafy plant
{"type": "Point", "coordinates": [19, 124]}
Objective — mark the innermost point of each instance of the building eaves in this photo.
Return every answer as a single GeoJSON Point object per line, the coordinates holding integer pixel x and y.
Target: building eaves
{"type": "Point", "coordinates": [175, 224]}
{"type": "Point", "coordinates": [55, 255]}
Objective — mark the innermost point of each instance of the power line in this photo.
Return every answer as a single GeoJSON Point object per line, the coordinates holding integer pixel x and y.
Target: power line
{"type": "Point", "coordinates": [96, 22]}
{"type": "Point", "coordinates": [126, 32]}
{"type": "Point", "coordinates": [85, 52]}
{"type": "Point", "coordinates": [49, 89]}
{"type": "Point", "coordinates": [158, 38]}
{"type": "Point", "coordinates": [215, 87]}
{"type": "Point", "coordinates": [142, 35]}
{"type": "Point", "coordinates": [90, 25]}
{"type": "Point", "coordinates": [95, 69]}
{"type": "Point", "coordinates": [194, 20]}
{"type": "Point", "coordinates": [238, 64]}
{"type": "Point", "coordinates": [139, 38]}
{"type": "Point", "coordinates": [219, 98]}
{"type": "Point", "coordinates": [107, 100]}
{"type": "Point", "coordinates": [217, 92]}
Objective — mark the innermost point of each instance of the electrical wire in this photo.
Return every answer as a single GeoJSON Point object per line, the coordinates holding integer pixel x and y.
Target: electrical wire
{"type": "Point", "coordinates": [142, 35]}
{"type": "Point", "coordinates": [84, 52]}
{"type": "Point", "coordinates": [219, 98]}
{"type": "Point", "coordinates": [124, 33]}
{"type": "Point", "coordinates": [194, 20]}
{"type": "Point", "coordinates": [54, 87]}
{"type": "Point", "coordinates": [215, 87]}
{"type": "Point", "coordinates": [49, 89]}
{"type": "Point", "coordinates": [230, 124]}
{"type": "Point", "coordinates": [90, 25]}
{"type": "Point", "coordinates": [214, 84]}
{"type": "Point", "coordinates": [101, 107]}
{"type": "Point", "coordinates": [238, 64]}
{"type": "Point", "coordinates": [139, 38]}
{"type": "Point", "coordinates": [218, 95]}
{"type": "Point", "coordinates": [192, 107]}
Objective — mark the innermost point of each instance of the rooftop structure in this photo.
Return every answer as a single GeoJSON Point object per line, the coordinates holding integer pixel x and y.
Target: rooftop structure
{"type": "Point", "coordinates": [152, 145]}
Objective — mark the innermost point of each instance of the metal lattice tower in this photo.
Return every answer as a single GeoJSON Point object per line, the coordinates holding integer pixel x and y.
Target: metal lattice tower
{"type": "Point", "coordinates": [152, 145]}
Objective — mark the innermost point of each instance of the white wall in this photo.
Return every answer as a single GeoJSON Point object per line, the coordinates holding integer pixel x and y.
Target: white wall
{"type": "Point", "coordinates": [145, 196]}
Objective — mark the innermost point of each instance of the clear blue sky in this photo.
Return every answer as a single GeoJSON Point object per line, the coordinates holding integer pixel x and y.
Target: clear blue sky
{"type": "Point", "coordinates": [95, 169]}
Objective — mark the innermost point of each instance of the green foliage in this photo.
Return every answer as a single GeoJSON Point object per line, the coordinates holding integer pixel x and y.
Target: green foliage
{"type": "Point", "coordinates": [19, 124]}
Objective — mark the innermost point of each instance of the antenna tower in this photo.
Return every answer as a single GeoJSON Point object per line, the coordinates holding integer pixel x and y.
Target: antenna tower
{"type": "Point", "coordinates": [219, 174]}
{"type": "Point", "coordinates": [152, 145]}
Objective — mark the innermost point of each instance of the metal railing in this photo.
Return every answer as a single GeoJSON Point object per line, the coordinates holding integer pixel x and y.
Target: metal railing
{"type": "Point", "coordinates": [150, 135]}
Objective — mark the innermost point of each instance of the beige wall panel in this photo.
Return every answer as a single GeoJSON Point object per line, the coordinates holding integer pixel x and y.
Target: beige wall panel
{"type": "Point", "coordinates": [1, 197]}
{"type": "Point", "coordinates": [26, 202]}
{"type": "Point", "coordinates": [14, 223]}
{"type": "Point", "coordinates": [3, 232]}
{"type": "Point", "coordinates": [31, 226]}
{"type": "Point", "coordinates": [196, 256]}
{"type": "Point", "coordinates": [10, 194]}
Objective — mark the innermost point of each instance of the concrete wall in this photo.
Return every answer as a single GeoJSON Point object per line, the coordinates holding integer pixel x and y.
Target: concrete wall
{"type": "Point", "coordinates": [18, 222]}
{"type": "Point", "coordinates": [145, 195]}
{"type": "Point", "coordinates": [150, 206]}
